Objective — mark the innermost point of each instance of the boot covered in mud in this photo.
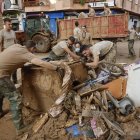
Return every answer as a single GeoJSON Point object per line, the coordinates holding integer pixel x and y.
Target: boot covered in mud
{"type": "Point", "coordinates": [23, 129]}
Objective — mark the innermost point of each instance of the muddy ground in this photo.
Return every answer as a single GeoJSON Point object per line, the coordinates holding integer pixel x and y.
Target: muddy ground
{"type": "Point", "coordinates": [7, 130]}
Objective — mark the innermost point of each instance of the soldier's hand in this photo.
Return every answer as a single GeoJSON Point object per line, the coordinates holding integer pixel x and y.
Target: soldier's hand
{"type": "Point", "coordinates": [60, 71]}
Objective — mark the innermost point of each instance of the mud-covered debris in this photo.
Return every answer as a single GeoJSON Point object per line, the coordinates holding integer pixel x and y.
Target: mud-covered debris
{"type": "Point", "coordinates": [60, 99]}
{"type": "Point", "coordinates": [97, 130]}
{"type": "Point", "coordinates": [78, 102]}
{"type": "Point", "coordinates": [37, 126]}
{"type": "Point", "coordinates": [25, 137]}
{"type": "Point", "coordinates": [56, 110]}
{"type": "Point", "coordinates": [71, 122]}
{"type": "Point", "coordinates": [125, 105]}
{"type": "Point", "coordinates": [104, 99]}
{"type": "Point", "coordinates": [124, 119]}
{"type": "Point", "coordinates": [85, 112]}
{"type": "Point", "coordinates": [113, 126]}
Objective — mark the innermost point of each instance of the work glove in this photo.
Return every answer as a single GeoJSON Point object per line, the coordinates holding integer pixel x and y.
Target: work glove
{"type": "Point", "coordinates": [60, 71]}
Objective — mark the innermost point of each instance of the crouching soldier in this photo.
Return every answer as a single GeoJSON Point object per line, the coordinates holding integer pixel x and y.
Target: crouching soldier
{"type": "Point", "coordinates": [62, 50]}
{"type": "Point", "coordinates": [12, 58]}
{"type": "Point", "coordinates": [103, 50]}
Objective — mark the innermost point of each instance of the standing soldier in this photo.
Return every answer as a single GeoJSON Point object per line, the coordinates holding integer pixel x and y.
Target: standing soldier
{"type": "Point", "coordinates": [77, 30]}
{"type": "Point", "coordinates": [14, 57]}
{"type": "Point", "coordinates": [7, 35]}
{"type": "Point", "coordinates": [132, 34]}
{"type": "Point", "coordinates": [85, 37]}
{"type": "Point", "coordinates": [8, 38]}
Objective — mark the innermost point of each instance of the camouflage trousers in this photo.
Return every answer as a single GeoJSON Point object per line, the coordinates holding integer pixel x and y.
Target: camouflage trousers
{"type": "Point", "coordinates": [110, 56]}
{"type": "Point", "coordinates": [52, 56]}
{"type": "Point", "coordinates": [8, 90]}
{"type": "Point", "coordinates": [131, 48]}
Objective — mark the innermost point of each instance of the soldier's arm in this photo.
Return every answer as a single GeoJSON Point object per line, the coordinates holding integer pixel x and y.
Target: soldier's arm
{"type": "Point", "coordinates": [73, 55]}
{"type": "Point", "coordinates": [94, 64]}
{"type": "Point", "coordinates": [39, 62]}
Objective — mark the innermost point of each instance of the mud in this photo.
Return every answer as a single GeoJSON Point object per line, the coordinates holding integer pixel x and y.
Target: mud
{"type": "Point", "coordinates": [7, 130]}
{"type": "Point", "coordinates": [53, 129]}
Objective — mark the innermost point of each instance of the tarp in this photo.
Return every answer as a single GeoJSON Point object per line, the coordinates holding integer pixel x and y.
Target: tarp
{"type": "Point", "coordinates": [133, 85]}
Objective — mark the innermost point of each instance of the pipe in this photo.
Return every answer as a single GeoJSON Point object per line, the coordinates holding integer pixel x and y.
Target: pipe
{"type": "Point", "coordinates": [116, 103]}
{"type": "Point", "coordinates": [114, 2]}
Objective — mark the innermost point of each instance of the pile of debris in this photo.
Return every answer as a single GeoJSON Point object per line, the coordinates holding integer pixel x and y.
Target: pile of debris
{"type": "Point", "coordinates": [87, 111]}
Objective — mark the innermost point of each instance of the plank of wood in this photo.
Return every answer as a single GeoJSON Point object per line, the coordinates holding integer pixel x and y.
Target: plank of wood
{"type": "Point", "coordinates": [93, 90]}
{"type": "Point", "coordinates": [105, 99]}
{"type": "Point", "coordinates": [38, 125]}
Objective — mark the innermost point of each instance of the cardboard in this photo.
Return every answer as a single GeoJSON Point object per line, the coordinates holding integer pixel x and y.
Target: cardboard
{"type": "Point", "coordinates": [118, 87]}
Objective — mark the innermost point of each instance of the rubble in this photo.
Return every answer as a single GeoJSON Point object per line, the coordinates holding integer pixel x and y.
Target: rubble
{"type": "Point", "coordinates": [87, 111]}
{"type": "Point", "coordinates": [37, 126]}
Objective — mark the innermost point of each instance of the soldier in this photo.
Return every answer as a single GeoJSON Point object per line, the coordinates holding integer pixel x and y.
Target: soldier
{"type": "Point", "coordinates": [107, 10]}
{"type": "Point", "coordinates": [12, 58]}
{"type": "Point", "coordinates": [7, 35]}
{"type": "Point", "coordinates": [132, 34]}
{"type": "Point", "coordinates": [77, 47]}
{"type": "Point", "coordinates": [77, 30]}
{"type": "Point", "coordinates": [8, 38]}
{"type": "Point", "coordinates": [91, 11]}
{"type": "Point", "coordinates": [103, 50]}
{"type": "Point", "coordinates": [85, 37]}
{"type": "Point", "coordinates": [62, 49]}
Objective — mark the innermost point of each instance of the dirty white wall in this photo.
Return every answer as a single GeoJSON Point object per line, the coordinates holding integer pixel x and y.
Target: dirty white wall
{"type": "Point", "coordinates": [20, 4]}
{"type": "Point", "coordinates": [131, 23]}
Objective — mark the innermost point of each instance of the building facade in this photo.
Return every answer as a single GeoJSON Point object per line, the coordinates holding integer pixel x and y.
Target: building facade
{"type": "Point", "coordinates": [128, 5]}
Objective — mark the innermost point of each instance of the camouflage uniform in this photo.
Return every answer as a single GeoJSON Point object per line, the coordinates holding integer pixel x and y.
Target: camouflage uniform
{"type": "Point", "coordinates": [131, 42]}
{"type": "Point", "coordinates": [105, 50]}
{"type": "Point", "coordinates": [58, 52]}
{"type": "Point", "coordinates": [13, 57]}
{"type": "Point", "coordinates": [85, 38]}
{"type": "Point", "coordinates": [52, 56]}
{"type": "Point", "coordinates": [8, 90]}
{"type": "Point", "coordinates": [111, 55]}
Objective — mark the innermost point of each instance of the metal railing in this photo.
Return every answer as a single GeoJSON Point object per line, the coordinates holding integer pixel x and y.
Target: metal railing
{"type": "Point", "coordinates": [87, 1]}
{"type": "Point", "coordinates": [29, 3]}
